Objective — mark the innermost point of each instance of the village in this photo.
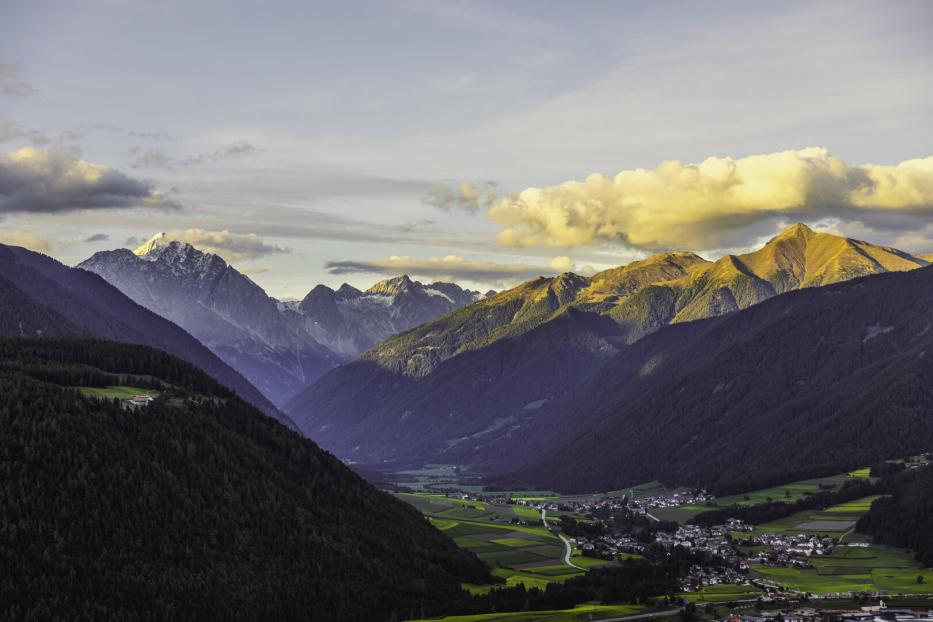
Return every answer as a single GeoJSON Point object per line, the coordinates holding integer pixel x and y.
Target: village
{"type": "Point", "coordinates": [868, 613]}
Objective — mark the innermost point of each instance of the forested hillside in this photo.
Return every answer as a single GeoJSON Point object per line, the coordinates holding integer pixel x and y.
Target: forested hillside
{"type": "Point", "coordinates": [41, 296]}
{"type": "Point", "coordinates": [906, 518]}
{"type": "Point", "coordinates": [194, 507]}
{"type": "Point", "coordinates": [805, 384]}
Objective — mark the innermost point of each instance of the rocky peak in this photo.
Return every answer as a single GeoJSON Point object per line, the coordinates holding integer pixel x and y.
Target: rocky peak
{"type": "Point", "coordinates": [797, 231]}
{"type": "Point", "coordinates": [391, 287]}
{"type": "Point", "coordinates": [347, 291]}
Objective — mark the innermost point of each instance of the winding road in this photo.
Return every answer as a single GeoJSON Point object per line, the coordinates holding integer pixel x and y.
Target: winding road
{"type": "Point", "coordinates": [568, 550]}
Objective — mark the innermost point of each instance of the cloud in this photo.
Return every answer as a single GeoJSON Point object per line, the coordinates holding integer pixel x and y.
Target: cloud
{"type": "Point", "coordinates": [563, 263]}
{"type": "Point", "coordinates": [255, 270]}
{"type": "Point", "coordinates": [410, 227]}
{"type": "Point", "coordinates": [465, 195]}
{"type": "Point", "coordinates": [158, 158]}
{"type": "Point", "coordinates": [12, 82]}
{"type": "Point", "coordinates": [35, 180]}
{"type": "Point", "coordinates": [449, 267]}
{"type": "Point", "coordinates": [161, 135]}
{"type": "Point", "coordinates": [13, 131]}
{"type": "Point", "coordinates": [97, 237]}
{"type": "Point", "coordinates": [16, 237]}
{"type": "Point", "coordinates": [703, 206]}
{"type": "Point", "coordinates": [231, 246]}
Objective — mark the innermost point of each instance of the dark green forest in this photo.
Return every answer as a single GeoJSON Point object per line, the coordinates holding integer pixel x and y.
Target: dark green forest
{"type": "Point", "coordinates": [906, 517]}
{"type": "Point", "coordinates": [195, 507]}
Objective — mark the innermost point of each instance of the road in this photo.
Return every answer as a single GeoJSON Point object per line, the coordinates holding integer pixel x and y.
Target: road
{"type": "Point", "coordinates": [568, 550]}
{"type": "Point", "coordinates": [643, 616]}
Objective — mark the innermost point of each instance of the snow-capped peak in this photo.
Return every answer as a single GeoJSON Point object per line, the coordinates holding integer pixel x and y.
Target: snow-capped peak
{"type": "Point", "coordinates": [162, 248]}
{"type": "Point", "coordinates": [156, 242]}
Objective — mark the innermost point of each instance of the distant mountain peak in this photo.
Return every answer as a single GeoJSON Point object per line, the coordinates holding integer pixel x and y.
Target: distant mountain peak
{"type": "Point", "coordinates": [798, 230]}
{"type": "Point", "coordinates": [156, 242]}
{"type": "Point", "coordinates": [161, 247]}
{"type": "Point", "coordinates": [392, 286]}
{"type": "Point", "coordinates": [348, 291]}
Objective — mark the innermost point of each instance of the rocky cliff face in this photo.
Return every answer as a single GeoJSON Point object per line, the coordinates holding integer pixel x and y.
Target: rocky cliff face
{"type": "Point", "coordinates": [349, 321]}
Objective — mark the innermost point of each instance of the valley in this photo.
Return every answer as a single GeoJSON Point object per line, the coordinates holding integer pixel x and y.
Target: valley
{"type": "Point", "coordinates": [814, 558]}
{"type": "Point", "coordinates": [466, 311]}
{"type": "Point", "coordinates": [567, 370]}
{"type": "Point", "coordinates": [585, 404]}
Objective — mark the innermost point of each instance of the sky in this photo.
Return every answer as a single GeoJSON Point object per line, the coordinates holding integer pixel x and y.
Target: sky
{"type": "Point", "coordinates": [482, 142]}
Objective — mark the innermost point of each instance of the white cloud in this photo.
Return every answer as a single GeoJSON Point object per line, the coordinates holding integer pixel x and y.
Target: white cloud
{"type": "Point", "coordinates": [698, 206]}
{"type": "Point", "coordinates": [12, 82]}
{"type": "Point", "coordinates": [159, 158]}
{"type": "Point", "coordinates": [451, 267]}
{"type": "Point", "coordinates": [464, 195]}
{"type": "Point", "coordinates": [14, 131]}
{"type": "Point", "coordinates": [563, 263]}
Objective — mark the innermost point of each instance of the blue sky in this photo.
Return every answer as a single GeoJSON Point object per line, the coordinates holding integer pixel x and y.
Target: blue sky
{"type": "Point", "coordinates": [312, 133]}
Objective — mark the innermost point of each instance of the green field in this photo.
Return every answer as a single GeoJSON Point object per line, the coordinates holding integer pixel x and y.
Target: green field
{"type": "Point", "coordinates": [681, 513]}
{"type": "Point", "coordinates": [834, 521]}
{"type": "Point", "coordinates": [872, 568]}
{"type": "Point", "coordinates": [723, 593]}
{"type": "Point", "coordinates": [118, 392]}
{"type": "Point", "coordinates": [579, 613]}
{"type": "Point", "coordinates": [793, 491]}
{"type": "Point", "coordinates": [526, 554]}
{"type": "Point", "coordinates": [588, 562]}
{"type": "Point", "coordinates": [889, 570]}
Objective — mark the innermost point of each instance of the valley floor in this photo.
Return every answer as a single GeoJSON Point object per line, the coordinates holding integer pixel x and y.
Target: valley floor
{"type": "Point", "coordinates": [505, 530]}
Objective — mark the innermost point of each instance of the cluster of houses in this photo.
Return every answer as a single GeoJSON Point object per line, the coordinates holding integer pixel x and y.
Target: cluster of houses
{"type": "Point", "coordinates": [879, 613]}
{"type": "Point", "coordinates": [789, 550]}
{"type": "Point", "coordinates": [714, 540]}
{"type": "Point", "coordinates": [647, 504]}
{"type": "Point", "coordinates": [141, 400]}
{"type": "Point", "coordinates": [610, 546]}
{"type": "Point", "coordinates": [591, 504]}
{"type": "Point", "coordinates": [699, 577]}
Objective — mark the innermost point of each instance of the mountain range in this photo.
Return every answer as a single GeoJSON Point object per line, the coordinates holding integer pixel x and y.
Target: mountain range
{"type": "Point", "coordinates": [816, 381]}
{"type": "Point", "coordinates": [42, 297]}
{"type": "Point", "coordinates": [496, 383]}
{"type": "Point", "coordinates": [281, 347]}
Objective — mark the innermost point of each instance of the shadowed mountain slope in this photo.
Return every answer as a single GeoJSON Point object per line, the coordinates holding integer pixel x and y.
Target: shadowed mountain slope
{"type": "Point", "coordinates": [45, 297]}
{"type": "Point", "coordinates": [482, 382]}
{"type": "Point", "coordinates": [804, 384]}
{"type": "Point", "coordinates": [195, 507]}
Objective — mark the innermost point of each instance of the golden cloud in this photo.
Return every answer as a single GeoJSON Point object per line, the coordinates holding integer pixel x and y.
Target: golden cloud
{"type": "Point", "coordinates": [677, 205]}
{"type": "Point", "coordinates": [31, 241]}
